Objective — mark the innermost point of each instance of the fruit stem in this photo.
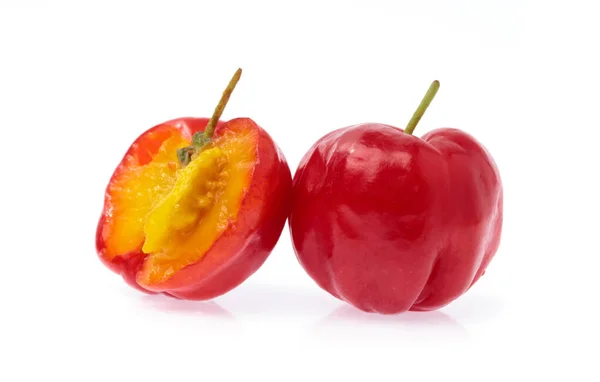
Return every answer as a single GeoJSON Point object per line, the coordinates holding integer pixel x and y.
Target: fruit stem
{"type": "Point", "coordinates": [203, 138]}
{"type": "Point", "coordinates": [433, 88]}
{"type": "Point", "coordinates": [210, 127]}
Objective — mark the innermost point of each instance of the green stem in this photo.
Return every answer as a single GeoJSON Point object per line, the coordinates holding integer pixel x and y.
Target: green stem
{"type": "Point", "coordinates": [433, 88]}
{"type": "Point", "coordinates": [212, 123]}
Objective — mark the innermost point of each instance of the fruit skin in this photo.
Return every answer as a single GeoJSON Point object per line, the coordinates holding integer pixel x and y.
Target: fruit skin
{"type": "Point", "coordinates": [244, 246]}
{"type": "Point", "coordinates": [389, 222]}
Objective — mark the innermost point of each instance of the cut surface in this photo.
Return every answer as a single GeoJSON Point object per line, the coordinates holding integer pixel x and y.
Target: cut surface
{"type": "Point", "coordinates": [193, 194]}
{"type": "Point", "coordinates": [174, 214]}
{"type": "Point", "coordinates": [134, 192]}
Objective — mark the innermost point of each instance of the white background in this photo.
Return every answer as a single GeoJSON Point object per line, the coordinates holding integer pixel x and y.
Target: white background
{"type": "Point", "coordinates": [78, 83]}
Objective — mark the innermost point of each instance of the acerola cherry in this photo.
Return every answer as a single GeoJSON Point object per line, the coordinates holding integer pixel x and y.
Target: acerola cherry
{"type": "Point", "coordinates": [195, 206]}
{"type": "Point", "coordinates": [389, 222]}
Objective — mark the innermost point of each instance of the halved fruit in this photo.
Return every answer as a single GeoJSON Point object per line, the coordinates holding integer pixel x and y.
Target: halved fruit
{"type": "Point", "coordinates": [175, 213]}
{"type": "Point", "coordinates": [195, 206]}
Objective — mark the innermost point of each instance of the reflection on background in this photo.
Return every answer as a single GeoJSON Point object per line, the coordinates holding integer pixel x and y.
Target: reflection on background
{"type": "Point", "coordinates": [349, 323]}
{"type": "Point", "coordinates": [173, 305]}
{"type": "Point", "coordinates": [316, 316]}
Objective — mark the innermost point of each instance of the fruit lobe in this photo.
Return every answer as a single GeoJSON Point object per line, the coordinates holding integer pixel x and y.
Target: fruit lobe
{"type": "Point", "coordinates": [389, 222]}
{"type": "Point", "coordinates": [198, 231]}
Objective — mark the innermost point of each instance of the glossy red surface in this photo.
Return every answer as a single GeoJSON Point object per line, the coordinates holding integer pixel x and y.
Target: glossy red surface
{"type": "Point", "coordinates": [390, 222]}
{"type": "Point", "coordinates": [244, 245]}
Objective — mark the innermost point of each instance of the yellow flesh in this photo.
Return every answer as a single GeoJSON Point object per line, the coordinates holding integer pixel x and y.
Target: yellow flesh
{"type": "Point", "coordinates": [194, 192]}
{"type": "Point", "coordinates": [135, 193]}
{"type": "Point", "coordinates": [176, 213]}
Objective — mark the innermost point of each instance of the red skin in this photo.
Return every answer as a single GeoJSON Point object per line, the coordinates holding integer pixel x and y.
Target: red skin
{"type": "Point", "coordinates": [389, 222]}
{"type": "Point", "coordinates": [244, 246]}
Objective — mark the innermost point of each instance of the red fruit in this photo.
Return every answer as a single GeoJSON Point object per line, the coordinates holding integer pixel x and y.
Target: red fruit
{"type": "Point", "coordinates": [195, 207]}
{"type": "Point", "coordinates": [389, 222]}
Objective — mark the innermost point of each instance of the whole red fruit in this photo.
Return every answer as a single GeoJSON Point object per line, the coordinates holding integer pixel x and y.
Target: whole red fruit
{"type": "Point", "coordinates": [389, 222]}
